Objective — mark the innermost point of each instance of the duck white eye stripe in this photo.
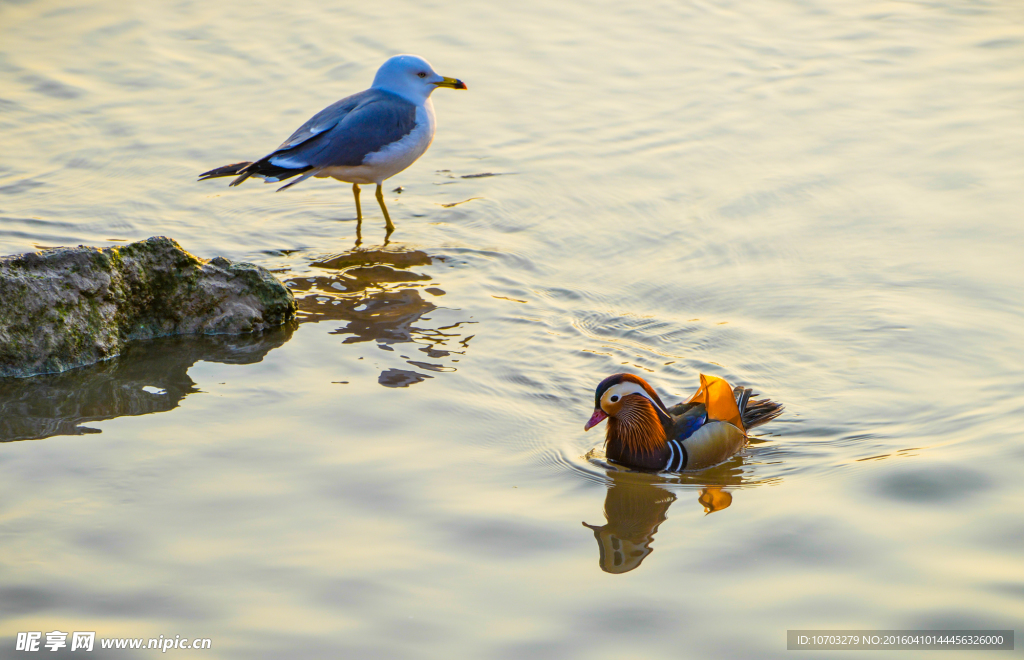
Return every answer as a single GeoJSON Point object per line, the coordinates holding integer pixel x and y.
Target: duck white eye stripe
{"type": "Point", "coordinates": [623, 389]}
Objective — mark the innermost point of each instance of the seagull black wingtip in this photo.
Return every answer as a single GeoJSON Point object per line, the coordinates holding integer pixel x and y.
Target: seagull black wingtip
{"type": "Point", "coordinates": [225, 170]}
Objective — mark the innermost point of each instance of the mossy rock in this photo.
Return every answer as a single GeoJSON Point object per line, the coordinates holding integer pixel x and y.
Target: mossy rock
{"type": "Point", "coordinates": [67, 307]}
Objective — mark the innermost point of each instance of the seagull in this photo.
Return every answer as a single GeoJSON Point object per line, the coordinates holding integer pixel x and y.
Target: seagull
{"type": "Point", "coordinates": [362, 139]}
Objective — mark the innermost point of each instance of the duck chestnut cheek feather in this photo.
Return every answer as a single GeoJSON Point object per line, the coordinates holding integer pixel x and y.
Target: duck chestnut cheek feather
{"type": "Point", "coordinates": [636, 429]}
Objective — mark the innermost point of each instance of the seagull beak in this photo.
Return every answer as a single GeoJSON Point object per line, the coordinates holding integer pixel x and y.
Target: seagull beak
{"type": "Point", "coordinates": [595, 419]}
{"type": "Point", "coordinates": [454, 83]}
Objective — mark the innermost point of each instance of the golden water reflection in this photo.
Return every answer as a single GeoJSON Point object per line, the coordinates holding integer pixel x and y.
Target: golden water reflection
{"type": "Point", "coordinates": [637, 503]}
{"type": "Point", "coordinates": [378, 296]}
{"type": "Point", "coordinates": [374, 292]}
{"type": "Point", "coordinates": [149, 377]}
{"type": "Point", "coordinates": [633, 509]}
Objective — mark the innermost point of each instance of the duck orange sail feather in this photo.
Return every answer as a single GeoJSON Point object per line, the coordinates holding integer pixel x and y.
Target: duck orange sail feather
{"type": "Point", "coordinates": [719, 401]}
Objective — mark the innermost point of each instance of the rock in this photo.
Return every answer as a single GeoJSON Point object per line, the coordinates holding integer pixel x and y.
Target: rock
{"type": "Point", "coordinates": [67, 307]}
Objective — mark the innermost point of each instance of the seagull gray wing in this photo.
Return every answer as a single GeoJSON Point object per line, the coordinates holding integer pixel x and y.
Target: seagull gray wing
{"type": "Point", "coordinates": [324, 120]}
{"type": "Point", "coordinates": [343, 133]}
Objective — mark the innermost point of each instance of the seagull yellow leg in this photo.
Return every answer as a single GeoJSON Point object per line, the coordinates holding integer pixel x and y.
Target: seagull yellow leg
{"type": "Point", "coordinates": [355, 193]}
{"type": "Point", "coordinates": [387, 218]}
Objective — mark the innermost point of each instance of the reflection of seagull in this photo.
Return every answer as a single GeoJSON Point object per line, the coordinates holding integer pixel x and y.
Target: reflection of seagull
{"type": "Point", "coordinates": [704, 431]}
{"type": "Point", "coordinates": [363, 138]}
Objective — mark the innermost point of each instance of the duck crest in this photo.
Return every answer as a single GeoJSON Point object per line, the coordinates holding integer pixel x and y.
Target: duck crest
{"type": "Point", "coordinates": [615, 379]}
{"type": "Point", "coordinates": [637, 427]}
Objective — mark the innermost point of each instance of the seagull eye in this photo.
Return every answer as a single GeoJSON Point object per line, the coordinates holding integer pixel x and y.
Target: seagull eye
{"type": "Point", "coordinates": [615, 397]}
{"type": "Point", "coordinates": [422, 74]}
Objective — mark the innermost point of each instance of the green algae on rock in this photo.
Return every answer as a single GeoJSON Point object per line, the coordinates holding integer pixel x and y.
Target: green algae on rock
{"type": "Point", "coordinates": [63, 308]}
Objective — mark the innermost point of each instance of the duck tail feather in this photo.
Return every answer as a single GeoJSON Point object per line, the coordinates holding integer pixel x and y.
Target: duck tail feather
{"type": "Point", "coordinates": [760, 411]}
{"type": "Point", "coordinates": [742, 395]}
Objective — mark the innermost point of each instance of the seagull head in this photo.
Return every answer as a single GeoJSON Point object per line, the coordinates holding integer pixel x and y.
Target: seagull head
{"type": "Point", "coordinates": [412, 78]}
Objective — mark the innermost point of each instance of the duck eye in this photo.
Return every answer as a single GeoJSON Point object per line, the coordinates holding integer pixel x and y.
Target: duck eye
{"type": "Point", "coordinates": [422, 74]}
{"type": "Point", "coordinates": [615, 397]}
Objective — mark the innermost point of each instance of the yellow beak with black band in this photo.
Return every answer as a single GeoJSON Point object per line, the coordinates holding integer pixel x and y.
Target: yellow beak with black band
{"type": "Point", "coordinates": [454, 83]}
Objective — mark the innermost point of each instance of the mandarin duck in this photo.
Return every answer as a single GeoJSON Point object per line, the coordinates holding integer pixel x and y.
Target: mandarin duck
{"type": "Point", "coordinates": [703, 431]}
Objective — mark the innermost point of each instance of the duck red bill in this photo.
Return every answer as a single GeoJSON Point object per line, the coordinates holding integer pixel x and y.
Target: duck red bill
{"type": "Point", "coordinates": [595, 419]}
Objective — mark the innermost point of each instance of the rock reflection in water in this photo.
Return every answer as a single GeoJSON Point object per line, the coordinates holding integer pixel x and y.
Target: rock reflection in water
{"type": "Point", "coordinates": [148, 377]}
{"type": "Point", "coordinates": [380, 299]}
{"type": "Point", "coordinates": [373, 291]}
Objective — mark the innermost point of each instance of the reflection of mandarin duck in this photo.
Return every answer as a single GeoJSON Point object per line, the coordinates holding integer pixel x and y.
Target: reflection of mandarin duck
{"type": "Point", "coordinates": [713, 498]}
{"type": "Point", "coordinates": [633, 512]}
{"type": "Point", "coordinates": [704, 431]}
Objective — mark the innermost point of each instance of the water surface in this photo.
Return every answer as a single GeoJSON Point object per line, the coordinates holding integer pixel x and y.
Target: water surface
{"type": "Point", "coordinates": [821, 200]}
